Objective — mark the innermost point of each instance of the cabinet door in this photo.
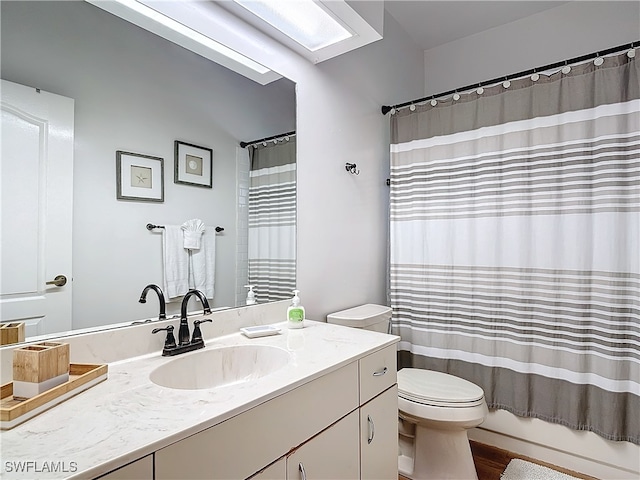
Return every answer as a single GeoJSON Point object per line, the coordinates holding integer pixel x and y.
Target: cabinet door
{"type": "Point", "coordinates": [139, 470]}
{"type": "Point", "coordinates": [332, 455]}
{"type": "Point", "coordinates": [379, 436]}
{"type": "Point", "coordinates": [275, 471]}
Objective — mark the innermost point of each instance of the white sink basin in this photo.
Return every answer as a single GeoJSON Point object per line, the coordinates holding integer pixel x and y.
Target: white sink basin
{"type": "Point", "coordinates": [220, 367]}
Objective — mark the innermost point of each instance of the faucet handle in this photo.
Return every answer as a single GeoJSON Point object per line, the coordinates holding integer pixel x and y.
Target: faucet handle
{"type": "Point", "coordinates": [170, 341]}
{"type": "Point", "coordinates": [197, 334]}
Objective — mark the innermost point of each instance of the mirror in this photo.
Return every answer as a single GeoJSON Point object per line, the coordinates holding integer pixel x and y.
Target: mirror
{"type": "Point", "coordinates": [136, 92]}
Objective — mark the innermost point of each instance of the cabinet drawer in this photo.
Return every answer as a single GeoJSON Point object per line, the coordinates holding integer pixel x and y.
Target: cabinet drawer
{"type": "Point", "coordinates": [140, 469]}
{"type": "Point", "coordinates": [377, 372]}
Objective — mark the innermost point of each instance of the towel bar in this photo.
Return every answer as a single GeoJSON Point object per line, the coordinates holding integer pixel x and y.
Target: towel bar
{"type": "Point", "coordinates": [151, 226]}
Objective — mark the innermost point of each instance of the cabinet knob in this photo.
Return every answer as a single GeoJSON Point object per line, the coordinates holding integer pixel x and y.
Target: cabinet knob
{"type": "Point", "coordinates": [372, 429]}
{"type": "Point", "coordinates": [303, 474]}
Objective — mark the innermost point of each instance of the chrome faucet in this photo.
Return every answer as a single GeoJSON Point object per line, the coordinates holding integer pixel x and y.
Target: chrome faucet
{"type": "Point", "coordinates": [155, 288]}
{"type": "Point", "coordinates": [185, 344]}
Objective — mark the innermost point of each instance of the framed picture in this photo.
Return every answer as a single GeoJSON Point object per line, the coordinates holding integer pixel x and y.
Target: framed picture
{"type": "Point", "coordinates": [193, 165]}
{"type": "Point", "coordinates": [139, 177]}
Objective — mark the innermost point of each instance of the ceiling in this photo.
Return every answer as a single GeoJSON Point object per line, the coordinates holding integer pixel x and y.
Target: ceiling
{"type": "Point", "coordinates": [433, 23]}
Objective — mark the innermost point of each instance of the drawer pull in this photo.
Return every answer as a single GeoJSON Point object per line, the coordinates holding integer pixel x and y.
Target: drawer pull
{"type": "Point", "coordinates": [379, 373]}
{"type": "Point", "coordinates": [303, 474]}
{"type": "Point", "coordinates": [372, 429]}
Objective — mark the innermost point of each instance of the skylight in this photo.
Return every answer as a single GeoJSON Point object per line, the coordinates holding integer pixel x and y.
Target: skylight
{"type": "Point", "coordinates": [304, 21]}
{"type": "Point", "coordinates": [191, 34]}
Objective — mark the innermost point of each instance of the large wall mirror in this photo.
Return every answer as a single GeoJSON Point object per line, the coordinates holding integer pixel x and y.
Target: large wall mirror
{"type": "Point", "coordinates": [136, 92]}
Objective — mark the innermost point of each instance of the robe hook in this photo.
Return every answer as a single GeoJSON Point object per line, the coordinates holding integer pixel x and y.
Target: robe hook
{"type": "Point", "coordinates": [351, 168]}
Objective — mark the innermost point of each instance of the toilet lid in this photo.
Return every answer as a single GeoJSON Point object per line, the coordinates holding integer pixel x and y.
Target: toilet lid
{"type": "Point", "coordinates": [437, 388]}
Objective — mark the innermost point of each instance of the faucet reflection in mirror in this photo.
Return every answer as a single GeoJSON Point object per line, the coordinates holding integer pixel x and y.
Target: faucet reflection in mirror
{"type": "Point", "coordinates": [158, 290]}
{"type": "Point", "coordinates": [185, 343]}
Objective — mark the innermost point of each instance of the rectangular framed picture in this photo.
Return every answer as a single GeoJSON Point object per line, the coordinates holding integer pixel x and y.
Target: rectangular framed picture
{"type": "Point", "coordinates": [193, 165]}
{"type": "Point", "coordinates": [139, 177]}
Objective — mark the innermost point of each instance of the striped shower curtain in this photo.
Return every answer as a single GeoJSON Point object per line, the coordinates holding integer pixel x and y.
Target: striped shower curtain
{"type": "Point", "coordinates": [272, 220]}
{"type": "Point", "coordinates": [515, 244]}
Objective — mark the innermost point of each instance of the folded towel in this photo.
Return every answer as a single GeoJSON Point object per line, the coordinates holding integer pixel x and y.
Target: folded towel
{"type": "Point", "coordinates": [192, 231]}
{"type": "Point", "coordinates": [203, 264]}
{"type": "Point", "coordinates": [175, 262]}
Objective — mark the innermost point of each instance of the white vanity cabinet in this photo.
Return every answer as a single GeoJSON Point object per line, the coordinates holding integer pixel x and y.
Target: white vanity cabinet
{"type": "Point", "coordinates": [378, 415]}
{"type": "Point", "coordinates": [342, 425]}
{"type": "Point", "coordinates": [244, 444]}
{"type": "Point", "coordinates": [141, 469]}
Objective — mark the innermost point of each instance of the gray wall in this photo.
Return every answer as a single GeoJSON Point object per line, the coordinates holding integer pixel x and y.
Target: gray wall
{"type": "Point", "coordinates": [137, 92]}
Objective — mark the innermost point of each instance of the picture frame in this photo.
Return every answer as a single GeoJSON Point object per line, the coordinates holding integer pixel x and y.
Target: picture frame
{"type": "Point", "coordinates": [193, 165]}
{"type": "Point", "coordinates": [139, 177]}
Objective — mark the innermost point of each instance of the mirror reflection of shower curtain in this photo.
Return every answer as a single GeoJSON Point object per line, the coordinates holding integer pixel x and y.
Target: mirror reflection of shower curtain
{"type": "Point", "coordinates": [272, 220]}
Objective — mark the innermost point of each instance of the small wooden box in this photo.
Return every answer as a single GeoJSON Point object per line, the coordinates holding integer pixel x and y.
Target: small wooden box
{"type": "Point", "coordinates": [39, 367]}
{"type": "Point", "coordinates": [11, 333]}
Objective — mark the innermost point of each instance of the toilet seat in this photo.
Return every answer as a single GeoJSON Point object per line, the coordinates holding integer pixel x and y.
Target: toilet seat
{"type": "Point", "coordinates": [438, 389]}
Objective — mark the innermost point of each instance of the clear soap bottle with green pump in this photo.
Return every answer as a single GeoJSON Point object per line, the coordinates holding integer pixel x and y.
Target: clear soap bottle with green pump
{"type": "Point", "coordinates": [295, 312]}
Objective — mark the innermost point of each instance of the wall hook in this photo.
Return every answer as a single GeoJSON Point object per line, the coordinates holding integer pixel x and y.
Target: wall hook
{"type": "Point", "coordinates": [351, 168]}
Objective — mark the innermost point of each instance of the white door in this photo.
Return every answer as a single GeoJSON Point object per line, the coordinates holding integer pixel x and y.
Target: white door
{"type": "Point", "coordinates": [36, 193]}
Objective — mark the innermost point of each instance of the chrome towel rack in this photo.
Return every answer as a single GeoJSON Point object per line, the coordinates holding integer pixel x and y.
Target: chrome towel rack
{"type": "Point", "coordinates": [151, 226]}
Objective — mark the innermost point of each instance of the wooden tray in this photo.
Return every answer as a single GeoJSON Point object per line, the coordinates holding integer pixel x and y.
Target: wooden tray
{"type": "Point", "coordinates": [14, 412]}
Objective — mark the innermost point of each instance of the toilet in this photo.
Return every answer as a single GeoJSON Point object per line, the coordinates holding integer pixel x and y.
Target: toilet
{"type": "Point", "coordinates": [435, 410]}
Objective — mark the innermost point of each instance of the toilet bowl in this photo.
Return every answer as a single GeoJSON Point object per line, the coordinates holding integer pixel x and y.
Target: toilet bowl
{"type": "Point", "coordinates": [435, 410]}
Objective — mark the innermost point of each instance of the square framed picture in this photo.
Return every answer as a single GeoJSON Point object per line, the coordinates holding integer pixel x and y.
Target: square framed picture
{"type": "Point", "coordinates": [193, 165]}
{"type": "Point", "coordinates": [139, 177]}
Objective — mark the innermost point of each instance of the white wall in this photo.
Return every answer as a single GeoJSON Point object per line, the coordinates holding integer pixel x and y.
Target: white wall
{"type": "Point", "coordinates": [136, 92]}
{"type": "Point", "coordinates": [342, 219]}
{"type": "Point", "coordinates": [568, 31]}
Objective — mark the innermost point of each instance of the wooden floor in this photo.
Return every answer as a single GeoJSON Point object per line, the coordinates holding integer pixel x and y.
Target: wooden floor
{"type": "Point", "coordinates": [491, 461]}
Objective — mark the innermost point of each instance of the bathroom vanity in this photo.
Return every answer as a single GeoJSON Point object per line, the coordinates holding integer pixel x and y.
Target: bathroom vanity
{"type": "Point", "coordinates": [328, 411]}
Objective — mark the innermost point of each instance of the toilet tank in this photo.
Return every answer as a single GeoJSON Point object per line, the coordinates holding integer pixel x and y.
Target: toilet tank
{"type": "Point", "coordinates": [370, 317]}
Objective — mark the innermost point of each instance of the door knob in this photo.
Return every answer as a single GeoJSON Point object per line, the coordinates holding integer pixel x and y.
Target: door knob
{"type": "Point", "coordinates": [59, 281]}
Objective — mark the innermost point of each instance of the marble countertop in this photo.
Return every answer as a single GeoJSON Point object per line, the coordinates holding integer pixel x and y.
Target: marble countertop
{"type": "Point", "coordinates": [127, 416]}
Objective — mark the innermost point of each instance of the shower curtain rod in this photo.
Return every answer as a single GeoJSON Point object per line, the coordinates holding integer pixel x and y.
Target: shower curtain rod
{"type": "Point", "coordinates": [386, 108]}
{"type": "Point", "coordinates": [266, 139]}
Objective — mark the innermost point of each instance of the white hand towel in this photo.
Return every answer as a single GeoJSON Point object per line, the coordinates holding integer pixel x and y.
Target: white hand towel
{"type": "Point", "coordinates": [192, 231]}
{"type": "Point", "coordinates": [175, 262]}
{"type": "Point", "coordinates": [203, 264]}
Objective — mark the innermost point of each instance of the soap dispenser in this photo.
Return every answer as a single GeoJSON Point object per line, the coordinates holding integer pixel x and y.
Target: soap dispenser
{"type": "Point", "coordinates": [251, 296]}
{"type": "Point", "coordinates": [295, 313]}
